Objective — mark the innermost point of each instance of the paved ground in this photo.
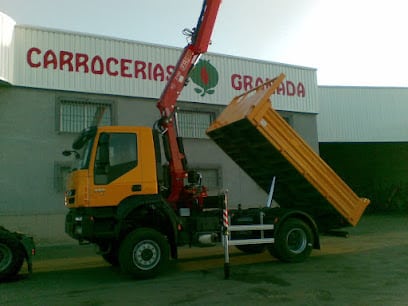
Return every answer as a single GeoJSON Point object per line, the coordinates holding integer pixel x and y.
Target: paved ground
{"type": "Point", "coordinates": [368, 268]}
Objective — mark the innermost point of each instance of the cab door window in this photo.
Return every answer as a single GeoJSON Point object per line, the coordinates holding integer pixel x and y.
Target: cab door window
{"type": "Point", "coordinates": [116, 155]}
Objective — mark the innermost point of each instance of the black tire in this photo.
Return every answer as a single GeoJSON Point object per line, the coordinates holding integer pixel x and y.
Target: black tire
{"type": "Point", "coordinates": [271, 249]}
{"type": "Point", "coordinates": [251, 248]}
{"type": "Point", "coordinates": [293, 241]}
{"type": "Point", "coordinates": [143, 253]}
{"type": "Point", "coordinates": [11, 255]}
{"type": "Point", "coordinates": [111, 254]}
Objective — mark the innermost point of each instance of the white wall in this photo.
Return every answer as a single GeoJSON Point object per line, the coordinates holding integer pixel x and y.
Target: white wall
{"type": "Point", "coordinates": [6, 48]}
{"type": "Point", "coordinates": [362, 114]}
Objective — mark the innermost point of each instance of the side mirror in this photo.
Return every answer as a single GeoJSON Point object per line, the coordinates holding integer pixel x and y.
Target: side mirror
{"type": "Point", "coordinates": [68, 153]}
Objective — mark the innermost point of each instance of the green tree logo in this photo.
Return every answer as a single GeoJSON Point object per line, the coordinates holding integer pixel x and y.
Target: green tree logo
{"type": "Point", "coordinates": [205, 76]}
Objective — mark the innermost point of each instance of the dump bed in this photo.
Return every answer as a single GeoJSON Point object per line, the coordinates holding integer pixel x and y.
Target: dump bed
{"type": "Point", "coordinates": [264, 145]}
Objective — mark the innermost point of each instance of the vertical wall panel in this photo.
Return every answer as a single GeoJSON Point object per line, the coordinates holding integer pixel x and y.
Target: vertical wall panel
{"type": "Point", "coordinates": [6, 48]}
{"type": "Point", "coordinates": [362, 114]}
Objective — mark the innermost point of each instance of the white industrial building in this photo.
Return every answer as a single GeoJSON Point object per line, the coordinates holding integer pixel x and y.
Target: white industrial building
{"type": "Point", "coordinates": [53, 82]}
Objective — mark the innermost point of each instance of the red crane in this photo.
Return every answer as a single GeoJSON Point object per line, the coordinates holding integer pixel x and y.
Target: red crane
{"type": "Point", "coordinates": [200, 39]}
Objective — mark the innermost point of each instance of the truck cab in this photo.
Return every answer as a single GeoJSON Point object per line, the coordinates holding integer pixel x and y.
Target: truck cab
{"type": "Point", "coordinates": [113, 163]}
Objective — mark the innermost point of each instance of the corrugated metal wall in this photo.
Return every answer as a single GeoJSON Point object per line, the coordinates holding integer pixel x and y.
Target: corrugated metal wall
{"type": "Point", "coordinates": [134, 69]}
{"type": "Point", "coordinates": [362, 114]}
{"type": "Point", "coordinates": [6, 48]}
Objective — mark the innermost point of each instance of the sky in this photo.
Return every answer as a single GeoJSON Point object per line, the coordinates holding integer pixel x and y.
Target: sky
{"type": "Point", "coordinates": [349, 42]}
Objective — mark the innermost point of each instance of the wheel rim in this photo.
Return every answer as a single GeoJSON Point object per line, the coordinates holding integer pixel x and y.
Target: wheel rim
{"type": "Point", "coordinates": [296, 240]}
{"type": "Point", "coordinates": [6, 256]}
{"type": "Point", "coordinates": [146, 254]}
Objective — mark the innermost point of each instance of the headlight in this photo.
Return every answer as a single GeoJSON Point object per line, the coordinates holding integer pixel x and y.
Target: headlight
{"type": "Point", "coordinates": [70, 193]}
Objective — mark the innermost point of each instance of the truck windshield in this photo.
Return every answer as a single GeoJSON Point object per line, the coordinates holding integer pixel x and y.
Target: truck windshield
{"type": "Point", "coordinates": [85, 154]}
{"type": "Point", "coordinates": [82, 156]}
{"type": "Point", "coordinates": [83, 145]}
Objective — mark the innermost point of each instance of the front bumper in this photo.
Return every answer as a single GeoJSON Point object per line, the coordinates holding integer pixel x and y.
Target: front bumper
{"type": "Point", "coordinates": [88, 225]}
{"type": "Point", "coordinates": [79, 226]}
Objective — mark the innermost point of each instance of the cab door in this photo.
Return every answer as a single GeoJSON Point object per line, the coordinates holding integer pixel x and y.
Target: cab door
{"type": "Point", "coordinates": [118, 170]}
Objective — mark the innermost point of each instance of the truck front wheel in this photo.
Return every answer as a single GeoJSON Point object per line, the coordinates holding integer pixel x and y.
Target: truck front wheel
{"type": "Point", "coordinates": [110, 252]}
{"type": "Point", "coordinates": [293, 241]}
{"type": "Point", "coordinates": [143, 253]}
{"type": "Point", "coordinates": [11, 255]}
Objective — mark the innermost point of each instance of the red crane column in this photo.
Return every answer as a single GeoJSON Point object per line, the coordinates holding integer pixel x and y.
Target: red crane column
{"type": "Point", "coordinates": [200, 40]}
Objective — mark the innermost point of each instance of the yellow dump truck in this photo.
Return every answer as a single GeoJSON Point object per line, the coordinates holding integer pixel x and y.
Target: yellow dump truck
{"type": "Point", "coordinates": [265, 146]}
{"type": "Point", "coordinates": [138, 208]}
{"type": "Point", "coordinates": [127, 216]}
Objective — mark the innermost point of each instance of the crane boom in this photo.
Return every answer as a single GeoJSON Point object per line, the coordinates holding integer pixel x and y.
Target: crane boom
{"type": "Point", "coordinates": [200, 39]}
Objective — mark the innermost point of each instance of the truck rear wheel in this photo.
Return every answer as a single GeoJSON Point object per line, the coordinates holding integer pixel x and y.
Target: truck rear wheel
{"type": "Point", "coordinates": [293, 241]}
{"type": "Point", "coordinates": [143, 253]}
{"type": "Point", "coordinates": [11, 255]}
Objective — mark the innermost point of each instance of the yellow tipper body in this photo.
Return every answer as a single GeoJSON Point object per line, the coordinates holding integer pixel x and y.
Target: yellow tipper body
{"type": "Point", "coordinates": [264, 145]}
